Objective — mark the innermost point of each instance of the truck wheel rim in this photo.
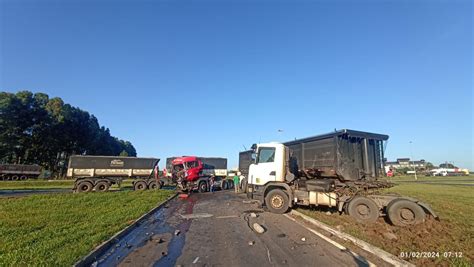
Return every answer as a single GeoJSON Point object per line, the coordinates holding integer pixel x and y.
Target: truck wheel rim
{"type": "Point", "coordinates": [407, 215]}
{"type": "Point", "coordinates": [277, 202]}
{"type": "Point", "coordinates": [363, 210]}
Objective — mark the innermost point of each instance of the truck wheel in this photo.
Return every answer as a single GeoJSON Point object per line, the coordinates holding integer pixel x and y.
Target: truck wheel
{"type": "Point", "coordinates": [277, 201]}
{"type": "Point", "coordinates": [102, 186]}
{"type": "Point", "coordinates": [225, 185]}
{"type": "Point", "coordinates": [139, 186]}
{"type": "Point", "coordinates": [230, 184]}
{"type": "Point", "coordinates": [153, 185]}
{"type": "Point", "coordinates": [402, 212]}
{"type": "Point", "coordinates": [202, 187]}
{"type": "Point", "coordinates": [84, 187]}
{"type": "Point", "coordinates": [23, 177]}
{"type": "Point", "coordinates": [363, 209]}
{"type": "Point", "coordinates": [15, 177]}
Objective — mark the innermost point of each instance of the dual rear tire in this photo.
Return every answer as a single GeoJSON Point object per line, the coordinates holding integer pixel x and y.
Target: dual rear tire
{"type": "Point", "coordinates": [403, 212]}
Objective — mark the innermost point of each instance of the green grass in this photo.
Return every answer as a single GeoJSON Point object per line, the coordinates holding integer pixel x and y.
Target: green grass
{"type": "Point", "coordinates": [453, 233]}
{"type": "Point", "coordinates": [430, 178]}
{"type": "Point", "coordinates": [59, 229]}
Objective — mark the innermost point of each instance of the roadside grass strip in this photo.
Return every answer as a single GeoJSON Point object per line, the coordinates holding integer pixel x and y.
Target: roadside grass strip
{"type": "Point", "coordinates": [59, 229]}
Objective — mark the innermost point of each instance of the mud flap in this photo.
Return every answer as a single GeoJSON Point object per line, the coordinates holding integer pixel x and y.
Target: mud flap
{"type": "Point", "coordinates": [428, 209]}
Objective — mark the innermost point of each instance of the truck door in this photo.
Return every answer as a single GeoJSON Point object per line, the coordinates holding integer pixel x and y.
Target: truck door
{"type": "Point", "coordinates": [266, 167]}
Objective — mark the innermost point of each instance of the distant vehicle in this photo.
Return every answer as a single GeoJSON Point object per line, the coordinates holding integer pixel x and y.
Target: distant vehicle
{"type": "Point", "coordinates": [15, 172]}
{"type": "Point", "coordinates": [100, 172]}
{"type": "Point", "coordinates": [449, 172]}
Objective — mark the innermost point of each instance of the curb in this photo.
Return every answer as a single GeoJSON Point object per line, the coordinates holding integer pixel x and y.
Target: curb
{"type": "Point", "coordinates": [90, 258]}
{"type": "Point", "coordinates": [378, 252]}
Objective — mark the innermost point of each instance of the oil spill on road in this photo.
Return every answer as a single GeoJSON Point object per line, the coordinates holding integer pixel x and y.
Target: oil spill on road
{"type": "Point", "coordinates": [142, 245]}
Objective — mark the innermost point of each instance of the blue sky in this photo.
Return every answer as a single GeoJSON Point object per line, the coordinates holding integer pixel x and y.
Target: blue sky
{"type": "Point", "coordinates": [209, 77]}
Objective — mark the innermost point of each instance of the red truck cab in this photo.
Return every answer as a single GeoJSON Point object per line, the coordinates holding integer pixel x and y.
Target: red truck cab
{"type": "Point", "coordinates": [187, 168]}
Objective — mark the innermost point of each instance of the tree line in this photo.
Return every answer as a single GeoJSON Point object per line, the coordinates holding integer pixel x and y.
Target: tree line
{"type": "Point", "coordinates": [36, 129]}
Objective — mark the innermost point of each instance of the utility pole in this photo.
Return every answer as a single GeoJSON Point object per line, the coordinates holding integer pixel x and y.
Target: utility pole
{"type": "Point", "coordinates": [413, 159]}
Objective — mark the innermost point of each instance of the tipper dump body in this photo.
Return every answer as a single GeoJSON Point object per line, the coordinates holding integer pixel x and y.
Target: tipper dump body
{"type": "Point", "coordinates": [100, 172]}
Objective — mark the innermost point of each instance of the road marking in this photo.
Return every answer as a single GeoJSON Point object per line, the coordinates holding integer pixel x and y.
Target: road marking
{"type": "Point", "coordinates": [225, 217]}
{"type": "Point", "coordinates": [196, 215]}
{"type": "Point", "coordinates": [384, 255]}
{"type": "Point", "coordinates": [332, 242]}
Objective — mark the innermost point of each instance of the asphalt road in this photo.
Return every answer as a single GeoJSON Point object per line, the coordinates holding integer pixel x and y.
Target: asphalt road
{"type": "Point", "coordinates": [213, 229]}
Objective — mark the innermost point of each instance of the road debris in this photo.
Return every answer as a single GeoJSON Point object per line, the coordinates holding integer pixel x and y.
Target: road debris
{"type": "Point", "coordinates": [390, 236]}
{"type": "Point", "coordinates": [303, 239]}
{"type": "Point", "coordinates": [251, 243]}
{"type": "Point", "coordinates": [253, 215]}
{"type": "Point", "coordinates": [183, 196]}
{"type": "Point", "coordinates": [177, 232]}
{"type": "Point", "coordinates": [258, 228]}
{"type": "Point", "coordinates": [195, 260]}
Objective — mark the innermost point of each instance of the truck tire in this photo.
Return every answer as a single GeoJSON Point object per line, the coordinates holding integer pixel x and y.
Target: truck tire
{"type": "Point", "coordinates": [23, 177]}
{"type": "Point", "coordinates": [102, 186]}
{"type": "Point", "coordinates": [277, 201]}
{"type": "Point", "coordinates": [15, 177]}
{"type": "Point", "coordinates": [402, 212]}
{"type": "Point", "coordinates": [225, 185]}
{"type": "Point", "coordinates": [363, 209]}
{"type": "Point", "coordinates": [230, 184]}
{"type": "Point", "coordinates": [84, 186]}
{"type": "Point", "coordinates": [140, 186]}
{"type": "Point", "coordinates": [202, 187]}
{"type": "Point", "coordinates": [154, 185]}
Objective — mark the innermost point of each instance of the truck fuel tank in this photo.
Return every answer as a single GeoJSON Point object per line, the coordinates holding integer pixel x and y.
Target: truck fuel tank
{"type": "Point", "coordinates": [324, 199]}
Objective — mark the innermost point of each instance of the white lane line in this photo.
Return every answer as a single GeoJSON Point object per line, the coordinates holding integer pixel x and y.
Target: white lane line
{"type": "Point", "coordinates": [225, 217]}
{"type": "Point", "coordinates": [332, 242]}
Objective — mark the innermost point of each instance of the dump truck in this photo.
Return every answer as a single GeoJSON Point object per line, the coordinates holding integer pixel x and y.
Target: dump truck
{"type": "Point", "coordinates": [98, 173]}
{"type": "Point", "coordinates": [340, 170]}
{"type": "Point", "coordinates": [15, 172]}
{"type": "Point", "coordinates": [194, 173]}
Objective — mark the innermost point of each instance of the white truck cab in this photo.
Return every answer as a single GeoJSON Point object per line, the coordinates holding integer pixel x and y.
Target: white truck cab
{"type": "Point", "coordinates": [269, 164]}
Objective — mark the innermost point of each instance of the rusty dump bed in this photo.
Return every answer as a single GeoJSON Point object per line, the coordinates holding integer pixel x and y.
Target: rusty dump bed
{"type": "Point", "coordinates": [345, 154]}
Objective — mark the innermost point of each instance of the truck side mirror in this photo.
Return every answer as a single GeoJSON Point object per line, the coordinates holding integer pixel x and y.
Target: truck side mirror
{"type": "Point", "coordinates": [254, 158]}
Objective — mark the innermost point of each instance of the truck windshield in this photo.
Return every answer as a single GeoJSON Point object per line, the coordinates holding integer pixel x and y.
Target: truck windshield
{"type": "Point", "coordinates": [266, 154]}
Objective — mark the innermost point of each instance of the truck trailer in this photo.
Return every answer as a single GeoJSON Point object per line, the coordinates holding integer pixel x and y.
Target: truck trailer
{"type": "Point", "coordinates": [15, 172]}
{"type": "Point", "coordinates": [100, 172]}
{"type": "Point", "coordinates": [340, 170]}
